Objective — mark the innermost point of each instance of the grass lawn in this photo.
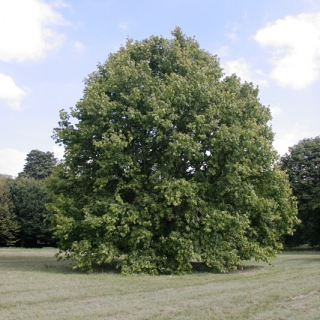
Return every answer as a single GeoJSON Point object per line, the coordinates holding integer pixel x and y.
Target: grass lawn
{"type": "Point", "coordinates": [34, 286]}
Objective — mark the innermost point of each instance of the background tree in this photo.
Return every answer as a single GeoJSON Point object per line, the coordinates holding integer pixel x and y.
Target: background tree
{"type": "Point", "coordinates": [168, 161]}
{"type": "Point", "coordinates": [302, 164]}
{"type": "Point", "coordinates": [8, 225]}
{"type": "Point", "coordinates": [29, 197]}
{"type": "Point", "coordinates": [39, 165]}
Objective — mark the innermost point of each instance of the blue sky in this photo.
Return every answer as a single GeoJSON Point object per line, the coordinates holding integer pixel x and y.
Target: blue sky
{"type": "Point", "coordinates": [48, 47]}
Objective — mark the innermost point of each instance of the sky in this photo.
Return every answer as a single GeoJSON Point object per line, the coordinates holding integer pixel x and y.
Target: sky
{"type": "Point", "coordinates": [48, 47]}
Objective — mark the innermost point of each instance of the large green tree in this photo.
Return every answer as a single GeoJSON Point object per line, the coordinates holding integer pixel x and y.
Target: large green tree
{"type": "Point", "coordinates": [302, 164]}
{"type": "Point", "coordinates": [168, 161]}
{"type": "Point", "coordinates": [9, 227]}
{"type": "Point", "coordinates": [39, 164]}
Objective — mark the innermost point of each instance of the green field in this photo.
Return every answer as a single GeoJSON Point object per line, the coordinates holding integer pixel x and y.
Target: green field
{"type": "Point", "coordinates": [34, 286]}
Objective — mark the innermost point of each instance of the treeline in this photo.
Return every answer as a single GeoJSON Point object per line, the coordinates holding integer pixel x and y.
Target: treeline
{"type": "Point", "coordinates": [23, 214]}
{"type": "Point", "coordinates": [24, 217]}
{"type": "Point", "coordinates": [302, 164]}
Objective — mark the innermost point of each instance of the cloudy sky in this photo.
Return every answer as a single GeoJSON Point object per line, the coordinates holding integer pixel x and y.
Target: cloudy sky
{"type": "Point", "coordinates": [47, 48]}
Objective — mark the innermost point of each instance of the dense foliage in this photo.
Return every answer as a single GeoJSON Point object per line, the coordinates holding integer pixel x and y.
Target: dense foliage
{"type": "Point", "coordinates": [9, 227]}
{"type": "Point", "coordinates": [303, 166]}
{"type": "Point", "coordinates": [168, 161]}
{"type": "Point", "coordinates": [22, 203]}
{"type": "Point", "coordinates": [39, 165]}
{"type": "Point", "coordinates": [29, 196]}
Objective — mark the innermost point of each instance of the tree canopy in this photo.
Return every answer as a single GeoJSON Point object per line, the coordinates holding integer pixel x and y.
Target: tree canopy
{"type": "Point", "coordinates": [302, 164]}
{"type": "Point", "coordinates": [39, 165]}
{"type": "Point", "coordinates": [169, 161]}
{"type": "Point", "coordinates": [28, 196]}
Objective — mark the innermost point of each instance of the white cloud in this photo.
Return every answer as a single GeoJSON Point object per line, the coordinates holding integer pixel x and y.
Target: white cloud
{"type": "Point", "coordinates": [123, 26]}
{"type": "Point", "coordinates": [223, 51]}
{"type": "Point", "coordinates": [297, 55]}
{"type": "Point", "coordinates": [24, 34]}
{"type": "Point", "coordinates": [58, 151]}
{"type": "Point", "coordinates": [275, 110]}
{"type": "Point", "coordinates": [288, 138]}
{"type": "Point", "coordinates": [11, 161]}
{"type": "Point", "coordinates": [232, 36]}
{"type": "Point", "coordinates": [10, 92]}
{"type": "Point", "coordinates": [232, 27]}
{"type": "Point", "coordinates": [59, 4]}
{"type": "Point", "coordinates": [241, 68]}
{"type": "Point", "coordinates": [79, 47]}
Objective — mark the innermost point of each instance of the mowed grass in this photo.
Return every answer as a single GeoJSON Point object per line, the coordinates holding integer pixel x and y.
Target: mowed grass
{"type": "Point", "coordinates": [34, 286]}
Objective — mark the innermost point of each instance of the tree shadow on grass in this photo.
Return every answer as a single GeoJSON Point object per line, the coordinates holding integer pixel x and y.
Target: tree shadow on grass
{"type": "Point", "coordinates": [33, 262]}
{"type": "Point", "coordinates": [37, 260]}
{"type": "Point", "coordinates": [201, 267]}
{"type": "Point", "coordinates": [44, 261]}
